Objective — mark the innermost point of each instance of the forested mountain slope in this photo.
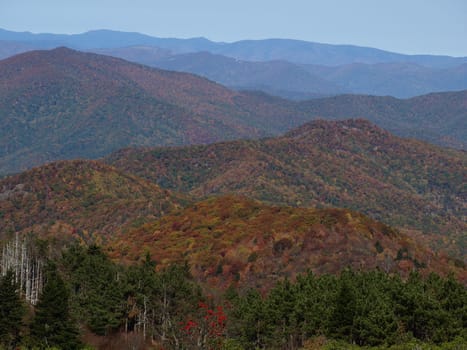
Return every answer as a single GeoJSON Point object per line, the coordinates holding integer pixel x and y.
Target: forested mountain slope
{"type": "Point", "coordinates": [83, 200]}
{"type": "Point", "coordinates": [351, 164]}
{"type": "Point", "coordinates": [439, 118]}
{"type": "Point", "coordinates": [231, 239]}
{"type": "Point", "coordinates": [64, 104]}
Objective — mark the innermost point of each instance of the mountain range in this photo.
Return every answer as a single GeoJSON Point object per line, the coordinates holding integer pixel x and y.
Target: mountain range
{"type": "Point", "coordinates": [287, 68]}
{"type": "Point", "coordinates": [349, 164]}
{"type": "Point", "coordinates": [65, 104]}
{"type": "Point", "coordinates": [303, 81]}
{"type": "Point", "coordinates": [295, 51]}
{"type": "Point", "coordinates": [167, 205]}
{"type": "Point", "coordinates": [225, 239]}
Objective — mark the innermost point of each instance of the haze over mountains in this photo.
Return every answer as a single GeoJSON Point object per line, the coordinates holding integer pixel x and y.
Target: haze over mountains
{"type": "Point", "coordinates": [295, 51]}
{"type": "Point", "coordinates": [287, 68]}
{"type": "Point", "coordinates": [64, 104]}
{"type": "Point", "coordinates": [301, 81]}
{"type": "Point", "coordinates": [180, 210]}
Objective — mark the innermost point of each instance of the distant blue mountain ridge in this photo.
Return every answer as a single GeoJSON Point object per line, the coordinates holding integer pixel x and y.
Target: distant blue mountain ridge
{"type": "Point", "coordinates": [291, 69]}
{"type": "Point", "coordinates": [295, 51]}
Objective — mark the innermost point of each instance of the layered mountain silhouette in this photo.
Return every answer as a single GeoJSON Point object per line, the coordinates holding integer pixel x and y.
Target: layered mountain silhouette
{"type": "Point", "coordinates": [280, 78]}
{"type": "Point", "coordinates": [295, 51]}
{"type": "Point", "coordinates": [151, 168]}
{"type": "Point", "coordinates": [302, 81]}
{"type": "Point", "coordinates": [67, 104]}
{"type": "Point", "coordinates": [64, 104]}
{"type": "Point", "coordinates": [287, 68]}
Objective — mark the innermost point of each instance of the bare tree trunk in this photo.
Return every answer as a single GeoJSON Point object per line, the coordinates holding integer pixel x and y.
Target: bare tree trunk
{"type": "Point", "coordinates": [144, 318]}
{"type": "Point", "coordinates": [28, 281]}
{"type": "Point", "coordinates": [18, 256]}
{"type": "Point", "coordinates": [22, 275]}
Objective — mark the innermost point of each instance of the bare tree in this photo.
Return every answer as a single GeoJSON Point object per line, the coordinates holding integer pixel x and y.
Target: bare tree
{"type": "Point", "coordinates": [19, 256]}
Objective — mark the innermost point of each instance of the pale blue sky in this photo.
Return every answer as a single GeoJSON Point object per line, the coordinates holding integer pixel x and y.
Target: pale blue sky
{"type": "Point", "coordinates": [406, 26]}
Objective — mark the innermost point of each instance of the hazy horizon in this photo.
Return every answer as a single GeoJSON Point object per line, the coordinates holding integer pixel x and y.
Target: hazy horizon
{"type": "Point", "coordinates": [409, 27]}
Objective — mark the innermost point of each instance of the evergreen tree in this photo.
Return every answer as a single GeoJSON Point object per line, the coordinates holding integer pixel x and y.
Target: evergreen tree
{"type": "Point", "coordinates": [96, 292]}
{"type": "Point", "coordinates": [11, 311]}
{"type": "Point", "coordinates": [282, 315]}
{"type": "Point", "coordinates": [250, 320]}
{"type": "Point", "coordinates": [315, 295]}
{"type": "Point", "coordinates": [52, 325]}
{"type": "Point", "coordinates": [341, 324]}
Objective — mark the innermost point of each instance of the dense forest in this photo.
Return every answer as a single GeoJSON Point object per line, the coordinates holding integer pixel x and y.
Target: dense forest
{"type": "Point", "coordinates": [88, 301]}
{"type": "Point", "coordinates": [223, 219]}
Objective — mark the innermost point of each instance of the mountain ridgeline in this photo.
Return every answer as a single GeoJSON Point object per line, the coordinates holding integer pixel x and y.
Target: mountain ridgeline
{"type": "Point", "coordinates": [64, 104]}
{"type": "Point", "coordinates": [142, 208]}
{"type": "Point", "coordinates": [296, 51]}
{"type": "Point", "coordinates": [84, 200]}
{"type": "Point", "coordinates": [234, 240]}
{"type": "Point", "coordinates": [351, 164]}
{"type": "Point", "coordinates": [301, 81]}
{"type": "Point", "coordinates": [288, 68]}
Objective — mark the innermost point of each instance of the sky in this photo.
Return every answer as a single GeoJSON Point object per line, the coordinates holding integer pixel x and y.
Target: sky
{"type": "Point", "coordinates": [404, 26]}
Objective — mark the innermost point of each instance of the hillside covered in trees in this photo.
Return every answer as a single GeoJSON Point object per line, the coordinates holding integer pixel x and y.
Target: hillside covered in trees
{"type": "Point", "coordinates": [224, 273]}
{"type": "Point", "coordinates": [85, 199]}
{"type": "Point", "coordinates": [234, 240]}
{"type": "Point", "coordinates": [66, 104]}
{"type": "Point", "coordinates": [334, 235]}
{"type": "Point", "coordinates": [87, 298]}
{"type": "Point", "coordinates": [351, 164]}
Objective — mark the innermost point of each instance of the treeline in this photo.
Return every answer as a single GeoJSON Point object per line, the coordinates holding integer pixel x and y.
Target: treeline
{"type": "Point", "coordinates": [363, 308]}
{"type": "Point", "coordinates": [86, 293]}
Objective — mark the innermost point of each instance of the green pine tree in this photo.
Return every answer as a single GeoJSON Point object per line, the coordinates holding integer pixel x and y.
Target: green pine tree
{"type": "Point", "coordinates": [52, 325]}
{"type": "Point", "coordinates": [11, 312]}
{"type": "Point", "coordinates": [96, 292]}
{"type": "Point", "coordinates": [342, 319]}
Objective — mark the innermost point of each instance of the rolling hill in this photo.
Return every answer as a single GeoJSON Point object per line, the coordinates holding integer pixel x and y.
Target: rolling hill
{"type": "Point", "coordinates": [83, 199]}
{"type": "Point", "coordinates": [351, 164]}
{"type": "Point", "coordinates": [232, 239]}
{"type": "Point", "coordinates": [225, 239]}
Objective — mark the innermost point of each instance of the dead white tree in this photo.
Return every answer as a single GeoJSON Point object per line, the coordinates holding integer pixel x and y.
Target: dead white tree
{"type": "Point", "coordinates": [19, 256]}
